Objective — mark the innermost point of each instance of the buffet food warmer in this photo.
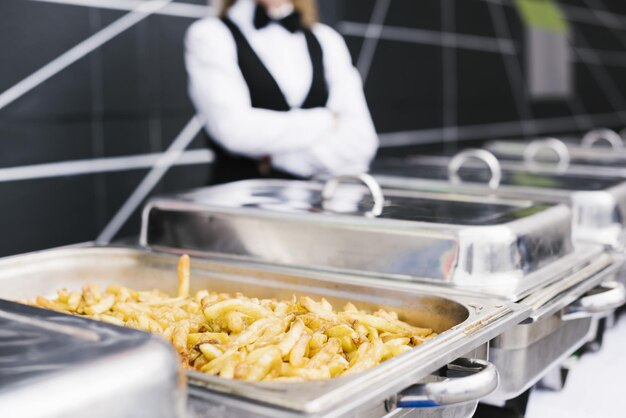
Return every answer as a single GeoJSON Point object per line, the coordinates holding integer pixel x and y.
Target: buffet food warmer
{"type": "Point", "coordinates": [59, 366]}
{"type": "Point", "coordinates": [598, 202]}
{"type": "Point", "coordinates": [600, 147]}
{"type": "Point", "coordinates": [515, 250]}
{"type": "Point", "coordinates": [395, 387]}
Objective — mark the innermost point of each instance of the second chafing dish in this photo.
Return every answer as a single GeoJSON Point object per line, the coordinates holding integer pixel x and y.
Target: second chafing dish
{"type": "Point", "coordinates": [465, 323]}
{"type": "Point", "coordinates": [601, 147]}
{"type": "Point", "coordinates": [597, 202]}
{"type": "Point", "coordinates": [506, 248]}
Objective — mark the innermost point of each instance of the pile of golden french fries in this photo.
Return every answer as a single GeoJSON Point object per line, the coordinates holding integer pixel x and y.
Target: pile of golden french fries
{"type": "Point", "coordinates": [247, 338]}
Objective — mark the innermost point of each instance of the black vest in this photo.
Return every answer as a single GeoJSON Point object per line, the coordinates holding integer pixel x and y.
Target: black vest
{"type": "Point", "coordinates": [265, 94]}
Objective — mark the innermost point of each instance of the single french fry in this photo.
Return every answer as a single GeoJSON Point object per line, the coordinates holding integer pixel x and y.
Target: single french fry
{"type": "Point", "coordinates": [102, 306]}
{"type": "Point", "coordinates": [291, 338]}
{"type": "Point", "coordinates": [325, 354]}
{"type": "Point", "coordinates": [210, 351]}
{"type": "Point", "coordinates": [236, 321]}
{"type": "Point", "coordinates": [249, 308]}
{"type": "Point", "coordinates": [318, 308]}
{"type": "Point", "coordinates": [179, 336]}
{"type": "Point", "coordinates": [341, 330]}
{"type": "Point", "coordinates": [368, 359]}
{"type": "Point", "coordinates": [74, 300]}
{"type": "Point", "coordinates": [183, 276]}
{"type": "Point", "coordinates": [300, 351]}
{"type": "Point", "coordinates": [262, 362]}
{"type": "Point", "coordinates": [207, 337]}
{"type": "Point", "coordinates": [337, 365]}
{"type": "Point", "coordinates": [253, 332]}
{"type": "Point", "coordinates": [375, 322]}
{"type": "Point", "coordinates": [227, 369]}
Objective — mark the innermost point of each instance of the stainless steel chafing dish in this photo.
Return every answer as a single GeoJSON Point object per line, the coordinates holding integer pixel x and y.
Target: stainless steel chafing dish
{"type": "Point", "coordinates": [598, 202]}
{"type": "Point", "coordinates": [597, 205]}
{"type": "Point", "coordinates": [499, 247]}
{"type": "Point", "coordinates": [513, 249]}
{"type": "Point", "coordinates": [591, 149]}
{"type": "Point", "coordinates": [57, 366]}
{"type": "Point", "coordinates": [466, 323]}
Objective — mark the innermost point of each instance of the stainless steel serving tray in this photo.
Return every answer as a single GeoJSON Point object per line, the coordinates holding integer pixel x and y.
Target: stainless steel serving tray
{"type": "Point", "coordinates": [465, 322]}
{"type": "Point", "coordinates": [496, 246]}
{"type": "Point", "coordinates": [598, 202]}
{"type": "Point", "coordinates": [58, 366]}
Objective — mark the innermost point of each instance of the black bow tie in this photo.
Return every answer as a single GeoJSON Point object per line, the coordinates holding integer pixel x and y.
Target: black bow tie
{"type": "Point", "coordinates": [291, 22]}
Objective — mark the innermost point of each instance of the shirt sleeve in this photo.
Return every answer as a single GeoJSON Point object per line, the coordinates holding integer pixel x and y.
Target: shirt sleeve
{"type": "Point", "coordinates": [222, 100]}
{"type": "Point", "coordinates": [351, 147]}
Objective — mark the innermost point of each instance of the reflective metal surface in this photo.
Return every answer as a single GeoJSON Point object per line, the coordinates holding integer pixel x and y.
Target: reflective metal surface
{"type": "Point", "coordinates": [329, 189]}
{"type": "Point", "coordinates": [558, 326]}
{"type": "Point", "coordinates": [526, 352]}
{"type": "Point", "coordinates": [552, 145]}
{"type": "Point", "coordinates": [598, 150]}
{"type": "Point", "coordinates": [464, 322]}
{"type": "Point", "coordinates": [58, 366]}
{"type": "Point", "coordinates": [598, 202]}
{"type": "Point", "coordinates": [484, 244]}
{"type": "Point", "coordinates": [482, 381]}
{"type": "Point", "coordinates": [592, 137]}
{"type": "Point", "coordinates": [486, 157]}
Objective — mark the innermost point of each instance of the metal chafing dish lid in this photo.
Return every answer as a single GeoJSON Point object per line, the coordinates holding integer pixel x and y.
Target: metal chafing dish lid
{"type": "Point", "coordinates": [498, 246]}
{"type": "Point", "coordinates": [517, 175]}
{"type": "Point", "coordinates": [294, 197]}
{"type": "Point", "coordinates": [598, 202]}
{"type": "Point", "coordinates": [600, 147]}
{"type": "Point", "coordinates": [45, 355]}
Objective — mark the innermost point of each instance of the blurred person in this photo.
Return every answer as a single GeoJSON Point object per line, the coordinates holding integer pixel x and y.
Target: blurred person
{"type": "Point", "coordinates": [277, 92]}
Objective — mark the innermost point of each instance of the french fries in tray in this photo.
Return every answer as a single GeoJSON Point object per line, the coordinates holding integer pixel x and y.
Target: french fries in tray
{"type": "Point", "coordinates": [237, 337]}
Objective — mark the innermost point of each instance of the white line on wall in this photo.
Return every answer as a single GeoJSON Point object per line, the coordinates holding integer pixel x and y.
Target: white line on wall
{"type": "Point", "coordinates": [98, 165]}
{"type": "Point", "coordinates": [143, 10]}
{"type": "Point", "coordinates": [165, 161]}
{"type": "Point", "coordinates": [372, 35]}
{"type": "Point", "coordinates": [429, 37]}
{"type": "Point", "coordinates": [193, 11]}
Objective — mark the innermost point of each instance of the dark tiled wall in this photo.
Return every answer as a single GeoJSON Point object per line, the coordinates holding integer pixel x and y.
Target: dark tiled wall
{"type": "Point", "coordinates": [419, 82]}
{"type": "Point", "coordinates": [129, 96]}
{"type": "Point", "coordinates": [126, 98]}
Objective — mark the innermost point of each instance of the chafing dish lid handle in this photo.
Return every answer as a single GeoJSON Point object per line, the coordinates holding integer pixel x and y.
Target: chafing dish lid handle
{"type": "Point", "coordinates": [481, 379]}
{"type": "Point", "coordinates": [372, 185]}
{"type": "Point", "coordinates": [612, 137]}
{"type": "Point", "coordinates": [553, 145]}
{"type": "Point", "coordinates": [490, 160]}
{"type": "Point", "coordinates": [601, 300]}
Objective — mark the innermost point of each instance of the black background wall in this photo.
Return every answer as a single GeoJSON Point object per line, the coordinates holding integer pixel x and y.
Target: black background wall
{"type": "Point", "coordinates": [436, 71]}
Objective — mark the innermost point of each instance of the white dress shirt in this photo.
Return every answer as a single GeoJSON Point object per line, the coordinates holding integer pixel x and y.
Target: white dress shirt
{"type": "Point", "coordinates": [339, 138]}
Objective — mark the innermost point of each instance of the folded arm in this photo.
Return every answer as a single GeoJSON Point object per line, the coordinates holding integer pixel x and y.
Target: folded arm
{"type": "Point", "coordinates": [221, 97]}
